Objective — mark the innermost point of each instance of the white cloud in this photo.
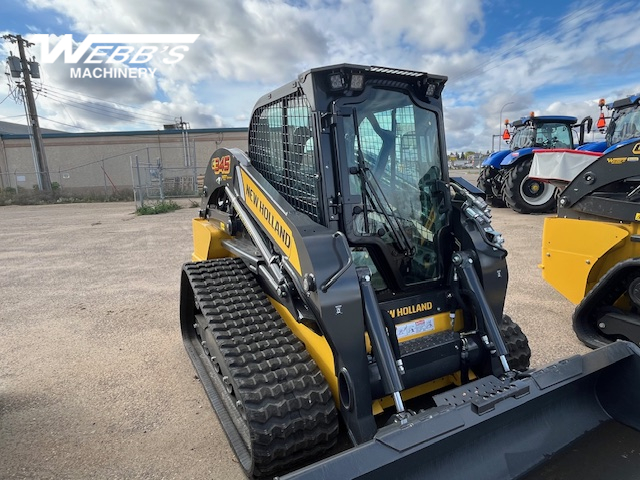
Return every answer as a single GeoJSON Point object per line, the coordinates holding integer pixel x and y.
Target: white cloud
{"type": "Point", "coordinates": [593, 53]}
{"type": "Point", "coordinates": [437, 25]}
{"type": "Point", "coordinates": [247, 47]}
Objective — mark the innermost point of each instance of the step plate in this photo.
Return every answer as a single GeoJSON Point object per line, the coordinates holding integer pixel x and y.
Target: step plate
{"type": "Point", "coordinates": [483, 394]}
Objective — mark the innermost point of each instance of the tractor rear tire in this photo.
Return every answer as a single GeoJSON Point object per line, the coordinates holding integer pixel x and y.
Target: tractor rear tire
{"type": "Point", "coordinates": [525, 195]}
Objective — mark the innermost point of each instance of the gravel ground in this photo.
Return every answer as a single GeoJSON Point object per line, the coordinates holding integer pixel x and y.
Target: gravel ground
{"type": "Point", "coordinates": [94, 380]}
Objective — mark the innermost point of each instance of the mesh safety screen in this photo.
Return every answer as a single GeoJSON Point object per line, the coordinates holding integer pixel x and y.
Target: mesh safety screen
{"type": "Point", "coordinates": [281, 148]}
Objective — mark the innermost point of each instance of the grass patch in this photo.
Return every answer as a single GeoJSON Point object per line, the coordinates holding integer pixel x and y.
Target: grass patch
{"type": "Point", "coordinates": [23, 196]}
{"type": "Point", "coordinates": [164, 206]}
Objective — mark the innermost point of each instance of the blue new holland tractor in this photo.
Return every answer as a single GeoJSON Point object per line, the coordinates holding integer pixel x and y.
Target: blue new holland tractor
{"type": "Point", "coordinates": [505, 174]}
{"type": "Point", "coordinates": [624, 125]}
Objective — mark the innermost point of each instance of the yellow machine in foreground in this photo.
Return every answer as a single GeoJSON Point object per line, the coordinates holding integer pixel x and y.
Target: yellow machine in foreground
{"type": "Point", "coordinates": [344, 305]}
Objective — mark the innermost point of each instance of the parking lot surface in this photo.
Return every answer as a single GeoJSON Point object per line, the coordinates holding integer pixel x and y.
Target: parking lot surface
{"type": "Point", "coordinates": [94, 380]}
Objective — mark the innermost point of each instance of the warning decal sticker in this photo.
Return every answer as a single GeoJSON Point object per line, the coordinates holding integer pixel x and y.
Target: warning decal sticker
{"type": "Point", "coordinates": [416, 327]}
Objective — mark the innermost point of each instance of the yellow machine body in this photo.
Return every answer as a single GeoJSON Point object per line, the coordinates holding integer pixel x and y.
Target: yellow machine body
{"type": "Point", "coordinates": [577, 253]}
{"type": "Point", "coordinates": [207, 244]}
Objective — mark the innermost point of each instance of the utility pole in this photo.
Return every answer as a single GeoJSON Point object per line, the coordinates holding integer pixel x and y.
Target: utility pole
{"type": "Point", "coordinates": [42, 169]}
{"type": "Point", "coordinates": [184, 127]}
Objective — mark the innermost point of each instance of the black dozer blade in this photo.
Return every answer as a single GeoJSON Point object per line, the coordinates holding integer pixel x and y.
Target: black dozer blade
{"type": "Point", "coordinates": [575, 419]}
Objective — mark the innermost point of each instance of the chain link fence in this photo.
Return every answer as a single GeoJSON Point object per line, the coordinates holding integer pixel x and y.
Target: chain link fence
{"type": "Point", "coordinates": [148, 173]}
{"type": "Point", "coordinates": [153, 180]}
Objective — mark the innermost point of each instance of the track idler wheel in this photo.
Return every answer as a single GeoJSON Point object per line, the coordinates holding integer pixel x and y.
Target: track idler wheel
{"type": "Point", "coordinates": [611, 309]}
{"type": "Point", "coordinates": [634, 291]}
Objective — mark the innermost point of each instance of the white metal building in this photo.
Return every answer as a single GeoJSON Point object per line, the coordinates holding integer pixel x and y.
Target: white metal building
{"type": "Point", "coordinates": [112, 161]}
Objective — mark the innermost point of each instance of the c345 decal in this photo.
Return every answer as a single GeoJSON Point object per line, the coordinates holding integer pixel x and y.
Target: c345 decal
{"type": "Point", "coordinates": [221, 165]}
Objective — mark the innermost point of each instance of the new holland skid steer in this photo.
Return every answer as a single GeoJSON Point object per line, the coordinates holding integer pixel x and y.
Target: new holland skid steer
{"type": "Point", "coordinates": [591, 251]}
{"type": "Point", "coordinates": [344, 305]}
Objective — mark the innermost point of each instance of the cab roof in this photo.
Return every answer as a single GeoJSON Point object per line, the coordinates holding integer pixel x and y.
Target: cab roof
{"type": "Point", "coordinates": [624, 102]}
{"type": "Point", "coordinates": [545, 119]}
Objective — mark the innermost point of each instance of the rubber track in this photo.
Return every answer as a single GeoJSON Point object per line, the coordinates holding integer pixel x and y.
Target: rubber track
{"type": "Point", "coordinates": [517, 344]}
{"type": "Point", "coordinates": [585, 326]}
{"type": "Point", "coordinates": [289, 408]}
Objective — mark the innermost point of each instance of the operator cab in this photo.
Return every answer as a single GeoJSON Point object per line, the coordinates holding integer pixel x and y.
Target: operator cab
{"type": "Point", "coordinates": [361, 150]}
{"type": "Point", "coordinates": [543, 132]}
{"type": "Point", "coordinates": [393, 184]}
{"type": "Point", "coordinates": [625, 120]}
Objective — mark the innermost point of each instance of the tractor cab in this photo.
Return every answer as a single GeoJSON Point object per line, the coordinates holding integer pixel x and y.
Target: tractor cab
{"type": "Point", "coordinates": [625, 120]}
{"type": "Point", "coordinates": [543, 132]}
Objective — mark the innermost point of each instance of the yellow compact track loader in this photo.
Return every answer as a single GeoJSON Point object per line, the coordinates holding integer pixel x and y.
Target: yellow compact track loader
{"type": "Point", "coordinates": [591, 251]}
{"type": "Point", "coordinates": [344, 305]}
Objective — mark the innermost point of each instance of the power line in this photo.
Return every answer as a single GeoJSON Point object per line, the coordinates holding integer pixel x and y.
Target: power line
{"type": "Point", "coordinates": [115, 110]}
{"type": "Point", "coordinates": [68, 125]}
{"type": "Point", "coordinates": [8, 95]}
{"type": "Point", "coordinates": [117, 114]}
{"type": "Point", "coordinates": [97, 107]}
{"type": "Point", "coordinates": [62, 91]}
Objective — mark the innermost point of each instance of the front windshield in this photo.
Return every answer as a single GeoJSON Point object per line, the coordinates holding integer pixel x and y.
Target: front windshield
{"type": "Point", "coordinates": [397, 150]}
{"type": "Point", "coordinates": [544, 135]}
{"type": "Point", "coordinates": [625, 124]}
{"type": "Point", "coordinates": [523, 137]}
{"type": "Point", "coordinates": [553, 135]}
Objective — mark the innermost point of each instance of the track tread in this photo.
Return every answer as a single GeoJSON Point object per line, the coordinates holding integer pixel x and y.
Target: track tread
{"type": "Point", "coordinates": [288, 405]}
{"type": "Point", "coordinates": [603, 296]}
{"type": "Point", "coordinates": [519, 356]}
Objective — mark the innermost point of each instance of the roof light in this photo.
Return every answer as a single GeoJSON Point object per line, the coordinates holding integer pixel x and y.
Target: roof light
{"type": "Point", "coordinates": [506, 122]}
{"type": "Point", "coordinates": [431, 89]}
{"type": "Point", "coordinates": [601, 103]}
{"type": "Point", "coordinates": [532, 114]}
{"type": "Point", "coordinates": [357, 81]}
{"type": "Point", "coordinates": [337, 81]}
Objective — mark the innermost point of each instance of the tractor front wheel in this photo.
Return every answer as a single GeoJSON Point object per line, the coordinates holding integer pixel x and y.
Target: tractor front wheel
{"type": "Point", "coordinates": [487, 183]}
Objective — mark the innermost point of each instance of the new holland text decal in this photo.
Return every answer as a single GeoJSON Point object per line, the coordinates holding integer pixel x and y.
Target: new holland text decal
{"type": "Point", "coordinates": [410, 309]}
{"type": "Point", "coordinates": [273, 222]}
